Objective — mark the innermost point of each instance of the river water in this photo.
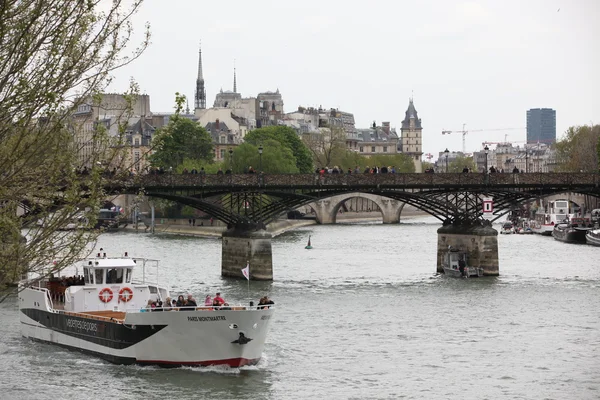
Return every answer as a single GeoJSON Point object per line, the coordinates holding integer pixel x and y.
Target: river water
{"type": "Point", "coordinates": [361, 316]}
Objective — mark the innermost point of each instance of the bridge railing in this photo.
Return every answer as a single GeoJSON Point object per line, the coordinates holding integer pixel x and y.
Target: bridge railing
{"type": "Point", "coordinates": [408, 180]}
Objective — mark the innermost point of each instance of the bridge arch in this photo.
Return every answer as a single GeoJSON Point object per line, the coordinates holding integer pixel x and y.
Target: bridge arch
{"type": "Point", "coordinates": [327, 209]}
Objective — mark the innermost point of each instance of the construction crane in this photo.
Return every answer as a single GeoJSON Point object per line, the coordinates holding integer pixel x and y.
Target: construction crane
{"type": "Point", "coordinates": [464, 133]}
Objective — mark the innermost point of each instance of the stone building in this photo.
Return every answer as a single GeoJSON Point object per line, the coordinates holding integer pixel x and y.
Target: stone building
{"type": "Point", "coordinates": [411, 142]}
{"type": "Point", "coordinates": [111, 112]}
{"type": "Point", "coordinates": [377, 140]}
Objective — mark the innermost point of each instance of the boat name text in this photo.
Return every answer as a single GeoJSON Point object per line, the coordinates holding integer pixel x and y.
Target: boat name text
{"type": "Point", "coordinates": [202, 319]}
{"type": "Point", "coordinates": [82, 325]}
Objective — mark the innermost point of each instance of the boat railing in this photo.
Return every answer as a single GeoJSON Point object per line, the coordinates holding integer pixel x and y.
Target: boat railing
{"type": "Point", "coordinates": [201, 308]}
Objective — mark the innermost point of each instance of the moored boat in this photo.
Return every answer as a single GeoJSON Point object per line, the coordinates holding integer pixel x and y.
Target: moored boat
{"type": "Point", "coordinates": [507, 228]}
{"type": "Point", "coordinates": [555, 212]}
{"type": "Point", "coordinates": [455, 265]}
{"type": "Point", "coordinates": [107, 314]}
{"type": "Point", "coordinates": [593, 237]}
{"type": "Point", "coordinates": [573, 231]}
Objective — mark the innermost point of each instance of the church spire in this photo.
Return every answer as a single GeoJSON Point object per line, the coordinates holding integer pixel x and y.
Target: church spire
{"type": "Point", "coordinates": [234, 79]}
{"type": "Point", "coordinates": [200, 96]}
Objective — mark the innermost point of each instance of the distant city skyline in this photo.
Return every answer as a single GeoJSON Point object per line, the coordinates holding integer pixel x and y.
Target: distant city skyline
{"type": "Point", "coordinates": [477, 63]}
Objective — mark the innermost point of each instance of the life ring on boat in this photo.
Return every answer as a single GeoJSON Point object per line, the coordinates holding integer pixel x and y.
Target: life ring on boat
{"type": "Point", "coordinates": [105, 295]}
{"type": "Point", "coordinates": [125, 294]}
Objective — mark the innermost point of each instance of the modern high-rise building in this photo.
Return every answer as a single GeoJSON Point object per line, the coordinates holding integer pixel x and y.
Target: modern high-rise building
{"type": "Point", "coordinates": [541, 125]}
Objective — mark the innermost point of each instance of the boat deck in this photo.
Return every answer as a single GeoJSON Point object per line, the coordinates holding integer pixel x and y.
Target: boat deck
{"type": "Point", "coordinates": [116, 316]}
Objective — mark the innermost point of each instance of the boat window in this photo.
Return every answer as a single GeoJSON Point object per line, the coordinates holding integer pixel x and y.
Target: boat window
{"type": "Point", "coordinates": [114, 275]}
{"type": "Point", "coordinates": [128, 276]}
{"type": "Point", "coordinates": [86, 276]}
{"type": "Point", "coordinates": [99, 274]}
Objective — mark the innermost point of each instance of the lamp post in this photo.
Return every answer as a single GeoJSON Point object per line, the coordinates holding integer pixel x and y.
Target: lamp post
{"type": "Point", "coordinates": [260, 150]}
{"type": "Point", "coordinates": [446, 152]}
{"type": "Point", "coordinates": [231, 160]}
{"type": "Point", "coordinates": [486, 151]}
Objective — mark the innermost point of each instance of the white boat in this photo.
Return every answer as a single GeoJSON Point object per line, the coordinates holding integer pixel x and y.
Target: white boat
{"type": "Point", "coordinates": [455, 264]}
{"type": "Point", "coordinates": [555, 212]}
{"type": "Point", "coordinates": [104, 314]}
{"type": "Point", "coordinates": [593, 237]}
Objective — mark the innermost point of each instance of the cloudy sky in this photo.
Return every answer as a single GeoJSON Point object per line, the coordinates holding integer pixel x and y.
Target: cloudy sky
{"type": "Point", "coordinates": [483, 63]}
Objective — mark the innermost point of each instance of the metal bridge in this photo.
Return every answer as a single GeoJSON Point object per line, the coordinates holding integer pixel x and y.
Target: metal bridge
{"type": "Point", "coordinates": [250, 201]}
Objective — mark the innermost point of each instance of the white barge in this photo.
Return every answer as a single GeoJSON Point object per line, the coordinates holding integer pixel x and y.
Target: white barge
{"type": "Point", "coordinates": [106, 314]}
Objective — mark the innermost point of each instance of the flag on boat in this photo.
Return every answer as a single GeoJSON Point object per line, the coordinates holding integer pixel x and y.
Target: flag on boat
{"type": "Point", "coordinates": [246, 271]}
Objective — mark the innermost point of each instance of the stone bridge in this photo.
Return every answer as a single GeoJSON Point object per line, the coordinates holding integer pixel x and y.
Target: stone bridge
{"type": "Point", "coordinates": [326, 210]}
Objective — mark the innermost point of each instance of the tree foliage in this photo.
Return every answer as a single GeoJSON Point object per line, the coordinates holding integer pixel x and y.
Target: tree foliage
{"type": "Point", "coordinates": [276, 158]}
{"type": "Point", "coordinates": [326, 145]}
{"type": "Point", "coordinates": [579, 149]}
{"type": "Point", "coordinates": [55, 56]}
{"type": "Point", "coordinates": [460, 162]}
{"type": "Point", "coordinates": [181, 140]}
{"type": "Point", "coordinates": [288, 138]}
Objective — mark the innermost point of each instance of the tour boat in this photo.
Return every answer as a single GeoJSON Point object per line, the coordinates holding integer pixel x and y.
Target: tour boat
{"type": "Point", "coordinates": [593, 237]}
{"type": "Point", "coordinates": [104, 313]}
{"type": "Point", "coordinates": [451, 265]}
{"type": "Point", "coordinates": [573, 231]}
{"type": "Point", "coordinates": [555, 212]}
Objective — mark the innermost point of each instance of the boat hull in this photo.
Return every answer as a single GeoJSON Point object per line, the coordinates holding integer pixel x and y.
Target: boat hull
{"type": "Point", "coordinates": [569, 235]}
{"type": "Point", "coordinates": [593, 238]}
{"type": "Point", "coordinates": [168, 338]}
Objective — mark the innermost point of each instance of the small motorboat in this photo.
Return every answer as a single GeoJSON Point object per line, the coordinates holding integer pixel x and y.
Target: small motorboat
{"type": "Point", "coordinates": [308, 246]}
{"type": "Point", "coordinates": [455, 265]}
{"type": "Point", "coordinates": [507, 228]}
{"type": "Point", "coordinates": [593, 237]}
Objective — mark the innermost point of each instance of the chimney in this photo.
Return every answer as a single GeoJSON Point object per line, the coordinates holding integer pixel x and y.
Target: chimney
{"type": "Point", "coordinates": [386, 127]}
{"type": "Point", "coordinates": [217, 124]}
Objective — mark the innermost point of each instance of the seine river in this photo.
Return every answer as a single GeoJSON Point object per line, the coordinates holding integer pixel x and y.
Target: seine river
{"type": "Point", "coordinates": [361, 316]}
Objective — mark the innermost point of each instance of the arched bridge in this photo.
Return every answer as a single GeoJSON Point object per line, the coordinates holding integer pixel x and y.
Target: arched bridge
{"type": "Point", "coordinates": [250, 201]}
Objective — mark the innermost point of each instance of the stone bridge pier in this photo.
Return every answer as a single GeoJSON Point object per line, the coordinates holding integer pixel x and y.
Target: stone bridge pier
{"type": "Point", "coordinates": [242, 246]}
{"type": "Point", "coordinates": [326, 210]}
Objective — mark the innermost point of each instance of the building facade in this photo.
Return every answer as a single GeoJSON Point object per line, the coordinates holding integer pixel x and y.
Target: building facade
{"type": "Point", "coordinates": [541, 125]}
{"type": "Point", "coordinates": [411, 142]}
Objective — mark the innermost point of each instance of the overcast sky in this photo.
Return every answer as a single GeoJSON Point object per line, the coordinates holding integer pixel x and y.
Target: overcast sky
{"type": "Point", "coordinates": [483, 63]}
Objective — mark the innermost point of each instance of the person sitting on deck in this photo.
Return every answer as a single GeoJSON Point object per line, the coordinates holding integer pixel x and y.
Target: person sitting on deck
{"type": "Point", "coordinates": [148, 306]}
{"type": "Point", "coordinates": [180, 301]}
{"type": "Point", "coordinates": [218, 300]}
{"type": "Point", "coordinates": [190, 303]}
{"type": "Point", "coordinates": [167, 304]}
{"type": "Point", "coordinates": [208, 301]}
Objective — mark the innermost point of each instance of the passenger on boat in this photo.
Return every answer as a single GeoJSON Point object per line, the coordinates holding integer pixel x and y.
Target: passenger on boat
{"type": "Point", "coordinates": [208, 300]}
{"type": "Point", "coordinates": [180, 301]}
{"type": "Point", "coordinates": [148, 306]}
{"type": "Point", "coordinates": [461, 266]}
{"type": "Point", "coordinates": [167, 304]}
{"type": "Point", "coordinates": [218, 300]}
{"type": "Point", "coordinates": [158, 306]}
{"type": "Point", "coordinates": [191, 303]}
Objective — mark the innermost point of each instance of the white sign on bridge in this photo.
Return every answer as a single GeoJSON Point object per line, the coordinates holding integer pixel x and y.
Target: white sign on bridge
{"type": "Point", "coordinates": [488, 205]}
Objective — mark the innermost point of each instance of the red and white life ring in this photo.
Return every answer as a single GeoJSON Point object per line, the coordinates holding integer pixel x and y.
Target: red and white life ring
{"type": "Point", "coordinates": [125, 294]}
{"type": "Point", "coordinates": [105, 295]}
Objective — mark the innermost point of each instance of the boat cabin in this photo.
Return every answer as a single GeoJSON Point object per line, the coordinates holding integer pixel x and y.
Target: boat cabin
{"type": "Point", "coordinates": [108, 285]}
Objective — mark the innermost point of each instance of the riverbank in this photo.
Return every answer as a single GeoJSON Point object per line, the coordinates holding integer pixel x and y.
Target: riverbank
{"type": "Point", "coordinates": [274, 228]}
